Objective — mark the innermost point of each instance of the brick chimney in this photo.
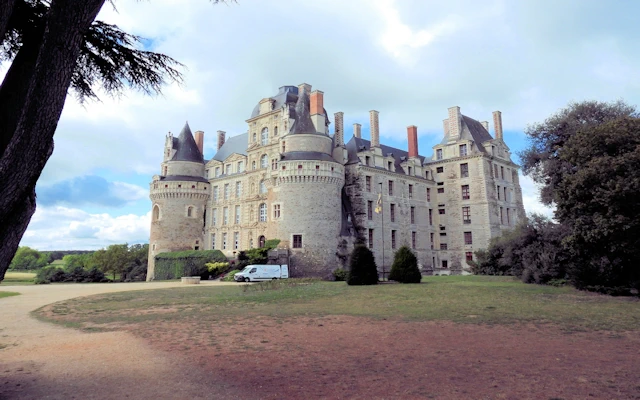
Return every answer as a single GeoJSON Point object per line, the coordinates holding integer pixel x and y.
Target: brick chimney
{"type": "Point", "coordinates": [497, 124]}
{"type": "Point", "coordinates": [339, 128]}
{"type": "Point", "coordinates": [221, 136]}
{"type": "Point", "coordinates": [374, 128]}
{"type": "Point", "coordinates": [357, 130]}
{"type": "Point", "coordinates": [485, 124]}
{"type": "Point", "coordinates": [316, 110]}
{"type": "Point", "coordinates": [412, 137]}
{"type": "Point", "coordinates": [455, 124]}
{"type": "Point", "coordinates": [199, 137]}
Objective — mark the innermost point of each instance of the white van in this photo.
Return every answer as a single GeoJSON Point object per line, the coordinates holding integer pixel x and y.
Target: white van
{"type": "Point", "coordinates": [253, 273]}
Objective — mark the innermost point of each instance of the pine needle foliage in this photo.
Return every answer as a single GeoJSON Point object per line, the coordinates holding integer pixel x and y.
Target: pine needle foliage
{"type": "Point", "coordinates": [362, 267]}
{"type": "Point", "coordinates": [405, 267]}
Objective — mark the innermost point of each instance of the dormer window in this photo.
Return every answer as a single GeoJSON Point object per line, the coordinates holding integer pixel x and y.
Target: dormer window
{"type": "Point", "coordinates": [389, 163]}
{"type": "Point", "coordinates": [367, 160]}
{"type": "Point", "coordinates": [463, 150]}
{"type": "Point", "coordinates": [439, 154]}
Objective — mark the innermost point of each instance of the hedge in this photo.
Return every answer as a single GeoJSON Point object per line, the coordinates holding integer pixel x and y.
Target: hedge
{"type": "Point", "coordinates": [176, 264]}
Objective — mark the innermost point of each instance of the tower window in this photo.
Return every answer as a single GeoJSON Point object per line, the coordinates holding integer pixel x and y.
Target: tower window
{"type": "Point", "coordinates": [393, 239]}
{"type": "Point", "coordinates": [464, 170]}
{"type": "Point", "coordinates": [413, 240]}
{"type": "Point", "coordinates": [465, 192]}
{"type": "Point", "coordinates": [156, 212]}
{"type": "Point", "coordinates": [297, 241]}
{"type": "Point", "coordinates": [263, 212]}
{"type": "Point", "coordinates": [413, 215]}
{"type": "Point", "coordinates": [390, 188]}
{"type": "Point", "coordinates": [369, 210]}
{"type": "Point", "coordinates": [371, 238]}
{"type": "Point", "coordinates": [410, 191]}
{"type": "Point", "coordinates": [190, 211]}
{"type": "Point", "coordinates": [466, 215]}
{"type": "Point", "coordinates": [392, 212]}
{"type": "Point", "coordinates": [368, 183]}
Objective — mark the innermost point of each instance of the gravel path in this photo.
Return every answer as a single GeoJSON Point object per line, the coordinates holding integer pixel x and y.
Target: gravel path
{"type": "Point", "coordinates": [45, 361]}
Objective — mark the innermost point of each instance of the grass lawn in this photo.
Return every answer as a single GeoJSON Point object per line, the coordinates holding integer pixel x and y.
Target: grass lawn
{"type": "Point", "coordinates": [8, 294]}
{"type": "Point", "coordinates": [18, 278]}
{"type": "Point", "coordinates": [461, 299]}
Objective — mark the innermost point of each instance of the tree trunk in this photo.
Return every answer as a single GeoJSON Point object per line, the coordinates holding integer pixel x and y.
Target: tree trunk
{"type": "Point", "coordinates": [31, 141]}
{"type": "Point", "coordinates": [6, 9]}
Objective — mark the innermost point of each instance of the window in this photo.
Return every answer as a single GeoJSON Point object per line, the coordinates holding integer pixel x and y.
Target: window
{"type": "Point", "coordinates": [465, 192]}
{"type": "Point", "coordinates": [440, 190]}
{"type": "Point", "coordinates": [390, 188]}
{"type": "Point", "coordinates": [264, 162]}
{"type": "Point", "coordinates": [264, 136]}
{"type": "Point", "coordinates": [413, 215]}
{"type": "Point", "coordinates": [214, 217]}
{"type": "Point", "coordinates": [505, 194]}
{"type": "Point", "coordinates": [367, 180]}
{"type": "Point", "coordinates": [439, 154]}
{"type": "Point", "coordinates": [240, 166]}
{"type": "Point", "coordinates": [189, 211]}
{"type": "Point", "coordinates": [431, 240]}
{"type": "Point", "coordinates": [369, 210]}
{"type": "Point", "coordinates": [463, 150]}
{"type": "Point", "coordinates": [469, 256]}
{"type": "Point", "coordinates": [254, 137]}
{"type": "Point", "coordinates": [263, 212]}
{"type": "Point", "coordinates": [502, 172]}
{"type": "Point", "coordinates": [274, 164]}
{"type": "Point", "coordinates": [468, 238]}
{"type": "Point", "coordinates": [263, 187]}
{"type": "Point", "coordinates": [495, 171]}
{"type": "Point", "coordinates": [317, 169]}
{"type": "Point", "coordinates": [371, 238]}
{"type": "Point", "coordinates": [213, 241]}
{"type": "Point", "coordinates": [466, 215]}
{"type": "Point", "coordinates": [464, 170]}
{"type": "Point", "coordinates": [237, 214]}
{"type": "Point", "coordinates": [215, 193]}
{"type": "Point", "coordinates": [441, 211]}
{"type": "Point", "coordinates": [224, 241]}
{"type": "Point", "coordinates": [367, 161]}
{"type": "Point", "coordinates": [227, 169]}
{"type": "Point", "coordinates": [445, 263]}
{"type": "Point", "coordinates": [411, 191]}
{"type": "Point", "coordinates": [226, 191]}
{"type": "Point", "coordinates": [225, 216]}
{"type": "Point", "coordinates": [389, 165]}
{"type": "Point", "coordinates": [238, 189]}
{"type": "Point", "coordinates": [440, 170]}
{"type": "Point", "coordinates": [498, 192]}
{"type": "Point", "coordinates": [156, 212]}
{"type": "Point", "coordinates": [299, 167]}
{"type": "Point", "coordinates": [284, 147]}
{"type": "Point", "coordinates": [217, 172]}
{"type": "Point", "coordinates": [501, 217]}
{"type": "Point", "coordinates": [514, 176]}
{"type": "Point", "coordinates": [508, 218]}
{"type": "Point", "coordinates": [236, 240]}
{"type": "Point", "coordinates": [428, 194]}
{"type": "Point", "coordinates": [413, 240]}
{"type": "Point", "coordinates": [276, 211]}
{"type": "Point", "coordinates": [297, 241]}
{"type": "Point", "coordinates": [430, 216]}
{"type": "Point", "coordinates": [410, 171]}
{"type": "Point", "coordinates": [253, 165]}
{"type": "Point", "coordinates": [392, 212]}
{"type": "Point", "coordinates": [443, 246]}
{"type": "Point", "coordinates": [275, 131]}
{"type": "Point", "coordinates": [393, 239]}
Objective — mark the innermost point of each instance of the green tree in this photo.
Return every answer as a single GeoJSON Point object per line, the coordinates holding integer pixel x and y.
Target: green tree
{"type": "Point", "coordinates": [27, 258]}
{"type": "Point", "coordinates": [362, 267]}
{"type": "Point", "coordinates": [53, 45]}
{"type": "Point", "coordinates": [405, 267]}
{"type": "Point", "coordinates": [599, 198]}
{"type": "Point", "coordinates": [115, 259]}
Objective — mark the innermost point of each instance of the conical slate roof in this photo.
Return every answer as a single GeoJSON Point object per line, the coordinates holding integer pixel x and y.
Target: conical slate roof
{"type": "Point", "coordinates": [186, 147]}
{"type": "Point", "coordinates": [303, 122]}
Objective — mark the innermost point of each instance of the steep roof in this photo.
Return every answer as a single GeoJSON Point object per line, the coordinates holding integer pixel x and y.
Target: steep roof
{"type": "Point", "coordinates": [286, 94]}
{"type": "Point", "coordinates": [234, 144]}
{"type": "Point", "coordinates": [186, 147]}
{"type": "Point", "coordinates": [472, 130]}
{"type": "Point", "coordinates": [303, 122]}
{"type": "Point", "coordinates": [356, 145]}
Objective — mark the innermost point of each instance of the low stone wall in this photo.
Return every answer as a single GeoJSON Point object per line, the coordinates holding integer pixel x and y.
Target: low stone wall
{"type": "Point", "coordinates": [190, 280]}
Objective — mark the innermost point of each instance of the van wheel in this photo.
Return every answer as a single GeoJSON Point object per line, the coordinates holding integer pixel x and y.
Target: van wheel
{"type": "Point", "coordinates": [247, 279]}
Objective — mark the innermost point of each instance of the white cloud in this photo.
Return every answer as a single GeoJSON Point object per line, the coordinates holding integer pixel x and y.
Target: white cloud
{"type": "Point", "coordinates": [531, 198]}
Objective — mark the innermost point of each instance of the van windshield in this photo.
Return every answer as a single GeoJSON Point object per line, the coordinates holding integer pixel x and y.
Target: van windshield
{"type": "Point", "coordinates": [246, 269]}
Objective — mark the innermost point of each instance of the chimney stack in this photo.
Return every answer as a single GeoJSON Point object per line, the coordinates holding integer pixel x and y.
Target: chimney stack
{"type": "Point", "coordinates": [199, 137]}
{"type": "Point", "coordinates": [357, 130]}
{"type": "Point", "coordinates": [339, 128]}
{"type": "Point", "coordinates": [304, 87]}
{"type": "Point", "coordinates": [221, 135]}
{"type": "Point", "coordinates": [497, 124]}
{"type": "Point", "coordinates": [455, 125]}
{"type": "Point", "coordinates": [445, 124]}
{"type": "Point", "coordinates": [374, 128]}
{"type": "Point", "coordinates": [485, 124]}
{"type": "Point", "coordinates": [316, 110]}
{"type": "Point", "coordinates": [412, 137]}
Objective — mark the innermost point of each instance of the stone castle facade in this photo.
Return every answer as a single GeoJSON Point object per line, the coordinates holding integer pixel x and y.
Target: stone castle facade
{"type": "Point", "coordinates": [289, 178]}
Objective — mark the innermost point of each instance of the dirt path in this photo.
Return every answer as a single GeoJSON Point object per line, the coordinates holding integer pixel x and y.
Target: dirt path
{"type": "Point", "coordinates": [45, 361]}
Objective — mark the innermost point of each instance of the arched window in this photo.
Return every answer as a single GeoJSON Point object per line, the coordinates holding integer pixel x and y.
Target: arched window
{"type": "Point", "coordinates": [253, 165]}
{"type": "Point", "coordinates": [264, 136]}
{"type": "Point", "coordinates": [264, 162]}
{"type": "Point", "coordinates": [156, 213]}
{"type": "Point", "coordinates": [263, 187]}
{"type": "Point", "coordinates": [275, 131]}
{"type": "Point", "coordinates": [263, 212]}
{"type": "Point", "coordinates": [254, 138]}
{"type": "Point", "coordinates": [190, 211]}
{"type": "Point", "coordinates": [261, 241]}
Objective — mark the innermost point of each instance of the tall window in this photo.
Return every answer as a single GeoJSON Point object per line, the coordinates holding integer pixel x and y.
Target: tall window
{"type": "Point", "coordinates": [254, 137]}
{"type": "Point", "coordinates": [264, 136]}
{"type": "Point", "coordinates": [276, 211]}
{"type": "Point", "coordinates": [227, 169]}
{"type": "Point", "coordinates": [213, 241]}
{"type": "Point", "coordinates": [498, 192]}
{"type": "Point", "coordinates": [215, 193]}
{"type": "Point", "coordinates": [439, 154]}
{"type": "Point", "coordinates": [263, 212]}
{"type": "Point", "coordinates": [297, 241]}
{"type": "Point", "coordinates": [264, 162]}
{"type": "Point", "coordinates": [393, 239]}
{"type": "Point", "coordinates": [240, 166]}
{"type": "Point", "coordinates": [156, 212]}
{"type": "Point", "coordinates": [495, 171]}
{"type": "Point", "coordinates": [505, 194]}
{"type": "Point", "coordinates": [466, 215]}
{"type": "Point", "coordinates": [226, 191]}
{"type": "Point", "coordinates": [371, 238]}
{"type": "Point", "coordinates": [430, 216]}
{"type": "Point", "coordinates": [367, 160]}
{"type": "Point", "coordinates": [275, 131]}
{"type": "Point", "coordinates": [413, 215]}
{"type": "Point", "coordinates": [368, 183]}
{"type": "Point", "coordinates": [410, 191]}
{"type": "Point", "coordinates": [217, 172]}
{"type": "Point", "coordinates": [225, 216]}
{"type": "Point", "coordinates": [464, 170]}
{"type": "Point", "coordinates": [390, 188]}
{"type": "Point", "coordinates": [284, 147]}
{"type": "Point", "coordinates": [465, 192]}
{"type": "Point", "coordinates": [502, 173]}
{"type": "Point", "coordinates": [463, 150]}
{"type": "Point", "coordinates": [468, 238]}
{"type": "Point", "coordinates": [238, 189]}
{"type": "Point", "coordinates": [263, 187]}
{"type": "Point", "coordinates": [428, 194]}
{"type": "Point", "coordinates": [508, 218]}
{"type": "Point", "coordinates": [392, 212]}
{"type": "Point", "coordinates": [431, 240]}
{"type": "Point", "coordinates": [369, 210]}
{"type": "Point", "coordinates": [413, 240]}
{"type": "Point", "coordinates": [224, 241]}
{"type": "Point", "coordinates": [274, 164]}
{"type": "Point", "coordinates": [237, 214]}
{"type": "Point", "coordinates": [501, 217]}
{"type": "Point", "coordinates": [189, 211]}
{"type": "Point", "coordinates": [214, 217]}
{"type": "Point", "coordinates": [469, 255]}
{"type": "Point", "coordinates": [236, 240]}
{"type": "Point", "coordinates": [445, 263]}
{"type": "Point", "coordinates": [389, 165]}
{"type": "Point", "coordinates": [253, 165]}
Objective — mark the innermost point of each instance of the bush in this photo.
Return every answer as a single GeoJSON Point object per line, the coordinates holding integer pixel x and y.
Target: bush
{"type": "Point", "coordinates": [405, 267]}
{"type": "Point", "coordinates": [49, 274]}
{"type": "Point", "coordinates": [229, 276]}
{"type": "Point", "coordinates": [217, 268]}
{"type": "Point", "coordinates": [340, 274]}
{"type": "Point", "coordinates": [77, 275]}
{"type": "Point", "coordinates": [176, 264]}
{"type": "Point", "coordinates": [362, 267]}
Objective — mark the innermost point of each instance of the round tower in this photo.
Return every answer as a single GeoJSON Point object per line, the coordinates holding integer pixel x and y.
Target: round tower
{"type": "Point", "coordinates": [178, 198]}
{"type": "Point", "coordinates": [307, 190]}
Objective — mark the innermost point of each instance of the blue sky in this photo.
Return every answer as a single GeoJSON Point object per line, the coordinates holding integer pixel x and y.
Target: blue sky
{"type": "Point", "coordinates": [408, 59]}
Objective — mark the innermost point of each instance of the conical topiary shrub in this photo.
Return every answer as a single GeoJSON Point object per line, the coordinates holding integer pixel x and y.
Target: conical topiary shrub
{"type": "Point", "coordinates": [405, 267]}
{"type": "Point", "coordinates": [362, 267]}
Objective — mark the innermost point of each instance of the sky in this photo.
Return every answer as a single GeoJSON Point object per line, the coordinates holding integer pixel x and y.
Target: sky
{"type": "Point", "coordinates": [408, 59]}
